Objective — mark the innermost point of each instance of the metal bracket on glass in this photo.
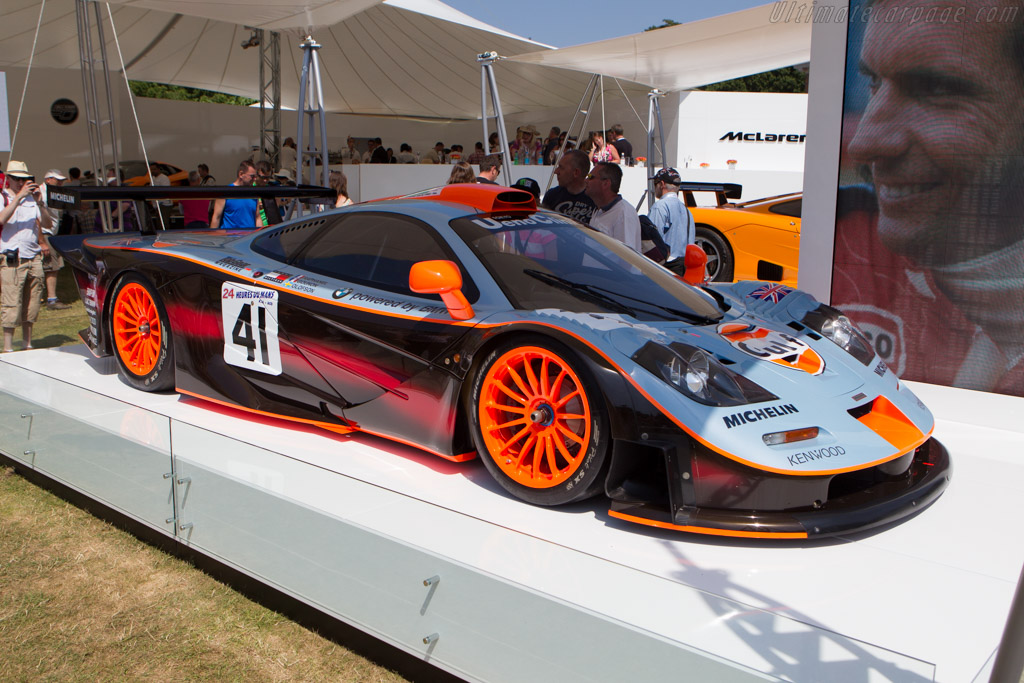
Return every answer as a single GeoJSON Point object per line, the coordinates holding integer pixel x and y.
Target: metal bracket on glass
{"type": "Point", "coordinates": [187, 483]}
{"type": "Point", "coordinates": [31, 418]}
{"type": "Point", "coordinates": [185, 527]}
{"type": "Point", "coordinates": [430, 583]}
{"type": "Point", "coordinates": [31, 454]}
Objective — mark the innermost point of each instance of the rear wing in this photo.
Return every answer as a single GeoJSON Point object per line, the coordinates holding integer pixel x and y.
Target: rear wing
{"type": "Point", "coordinates": [723, 191]}
{"type": "Point", "coordinates": [73, 197]}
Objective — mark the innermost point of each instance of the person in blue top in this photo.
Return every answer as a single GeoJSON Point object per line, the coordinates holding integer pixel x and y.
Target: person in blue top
{"type": "Point", "coordinates": [238, 214]}
{"type": "Point", "coordinates": [670, 215]}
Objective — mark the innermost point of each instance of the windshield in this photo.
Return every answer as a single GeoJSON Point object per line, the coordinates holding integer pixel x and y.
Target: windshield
{"type": "Point", "coordinates": [545, 260]}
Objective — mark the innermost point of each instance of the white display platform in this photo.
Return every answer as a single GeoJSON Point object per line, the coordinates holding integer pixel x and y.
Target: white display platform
{"type": "Point", "coordinates": [355, 525]}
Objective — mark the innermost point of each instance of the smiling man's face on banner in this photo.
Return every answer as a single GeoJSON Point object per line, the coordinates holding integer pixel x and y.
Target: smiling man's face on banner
{"type": "Point", "coordinates": [943, 131]}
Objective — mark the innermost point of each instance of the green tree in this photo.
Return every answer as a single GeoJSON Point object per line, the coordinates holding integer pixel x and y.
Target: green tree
{"type": "Point", "coordinates": [786, 79]}
{"type": "Point", "coordinates": [179, 92]}
{"type": "Point", "coordinates": [665, 23]}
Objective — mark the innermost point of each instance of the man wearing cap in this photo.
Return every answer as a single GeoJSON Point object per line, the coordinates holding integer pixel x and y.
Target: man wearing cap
{"type": "Point", "coordinates": [22, 247]}
{"type": "Point", "coordinates": [531, 186]}
{"type": "Point", "coordinates": [670, 215]}
{"type": "Point", "coordinates": [569, 197]}
{"type": "Point", "coordinates": [614, 216]}
{"type": "Point", "coordinates": [52, 262]}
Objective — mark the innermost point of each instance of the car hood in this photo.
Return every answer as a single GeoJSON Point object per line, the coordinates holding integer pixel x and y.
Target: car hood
{"type": "Point", "coordinates": [825, 387]}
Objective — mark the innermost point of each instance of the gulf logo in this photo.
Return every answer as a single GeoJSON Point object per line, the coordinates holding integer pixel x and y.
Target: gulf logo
{"type": "Point", "coordinates": [776, 347]}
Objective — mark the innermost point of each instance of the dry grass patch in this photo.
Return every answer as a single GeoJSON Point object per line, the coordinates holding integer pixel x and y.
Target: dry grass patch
{"type": "Point", "coordinates": [81, 600]}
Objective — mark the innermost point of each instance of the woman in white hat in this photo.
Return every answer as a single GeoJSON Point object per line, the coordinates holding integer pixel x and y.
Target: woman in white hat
{"type": "Point", "coordinates": [526, 148]}
{"type": "Point", "coordinates": [22, 248]}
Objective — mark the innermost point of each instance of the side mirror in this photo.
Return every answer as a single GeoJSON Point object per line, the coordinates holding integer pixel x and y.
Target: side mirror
{"type": "Point", "coordinates": [444, 278]}
{"type": "Point", "coordinates": [696, 263]}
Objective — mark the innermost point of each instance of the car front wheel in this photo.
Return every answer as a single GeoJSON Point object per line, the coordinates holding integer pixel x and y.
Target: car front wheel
{"type": "Point", "coordinates": [539, 422]}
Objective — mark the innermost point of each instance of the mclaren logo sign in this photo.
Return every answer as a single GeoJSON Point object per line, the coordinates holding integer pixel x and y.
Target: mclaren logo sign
{"type": "Point", "coordinates": [740, 136]}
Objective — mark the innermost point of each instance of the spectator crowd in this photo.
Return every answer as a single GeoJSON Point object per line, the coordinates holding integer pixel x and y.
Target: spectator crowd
{"type": "Point", "coordinates": [587, 190]}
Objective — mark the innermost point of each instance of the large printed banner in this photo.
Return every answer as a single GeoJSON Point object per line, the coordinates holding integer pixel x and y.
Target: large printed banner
{"type": "Point", "coordinates": [929, 250]}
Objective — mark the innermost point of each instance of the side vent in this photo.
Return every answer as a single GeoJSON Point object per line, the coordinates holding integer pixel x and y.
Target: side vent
{"type": "Point", "coordinates": [769, 271]}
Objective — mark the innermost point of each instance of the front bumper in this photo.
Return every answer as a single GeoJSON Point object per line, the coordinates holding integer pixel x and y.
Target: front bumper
{"type": "Point", "coordinates": [708, 494]}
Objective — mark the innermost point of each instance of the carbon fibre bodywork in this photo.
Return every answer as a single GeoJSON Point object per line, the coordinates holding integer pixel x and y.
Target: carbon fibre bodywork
{"type": "Point", "coordinates": [343, 343]}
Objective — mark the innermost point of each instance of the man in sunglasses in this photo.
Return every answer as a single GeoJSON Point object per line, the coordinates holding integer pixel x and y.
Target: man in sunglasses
{"type": "Point", "coordinates": [614, 216]}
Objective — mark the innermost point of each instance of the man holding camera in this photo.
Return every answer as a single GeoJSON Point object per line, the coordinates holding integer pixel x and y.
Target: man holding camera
{"type": "Point", "coordinates": [23, 248]}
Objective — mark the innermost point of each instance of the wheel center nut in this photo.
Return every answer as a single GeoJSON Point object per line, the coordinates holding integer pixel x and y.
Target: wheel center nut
{"type": "Point", "coordinates": [542, 415]}
{"type": "Point", "coordinates": [144, 328]}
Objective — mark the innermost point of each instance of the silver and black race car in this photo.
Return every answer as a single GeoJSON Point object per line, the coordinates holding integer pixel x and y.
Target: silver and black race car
{"type": "Point", "coordinates": [468, 323]}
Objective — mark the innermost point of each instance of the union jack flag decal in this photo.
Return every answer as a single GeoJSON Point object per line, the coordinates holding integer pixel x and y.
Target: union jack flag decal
{"type": "Point", "coordinates": [773, 292]}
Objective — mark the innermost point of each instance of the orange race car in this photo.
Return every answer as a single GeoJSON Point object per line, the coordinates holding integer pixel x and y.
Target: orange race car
{"type": "Point", "coordinates": [136, 172]}
{"type": "Point", "coordinates": [753, 240]}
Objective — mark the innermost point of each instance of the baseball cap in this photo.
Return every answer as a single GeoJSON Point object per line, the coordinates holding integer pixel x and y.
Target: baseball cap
{"type": "Point", "coordinates": [530, 185]}
{"type": "Point", "coordinates": [55, 173]}
{"type": "Point", "coordinates": [668, 175]}
{"type": "Point", "coordinates": [286, 173]}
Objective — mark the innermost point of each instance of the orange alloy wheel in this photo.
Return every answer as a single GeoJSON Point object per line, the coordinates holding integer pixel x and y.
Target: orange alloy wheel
{"type": "Point", "coordinates": [534, 417]}
{"type": "Point", "coordinates": [136, 327]}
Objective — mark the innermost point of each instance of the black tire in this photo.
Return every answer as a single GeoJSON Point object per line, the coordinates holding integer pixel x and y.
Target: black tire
{"type": "Point", "coordinates": [144, 353]}
{"type": "Point", "coordinates": [720, 258]}
{"type": "Point", "coordinates": [579, 469]}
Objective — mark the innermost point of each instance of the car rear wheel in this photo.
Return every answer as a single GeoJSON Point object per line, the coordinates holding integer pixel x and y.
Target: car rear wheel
{"type": "Point", "coordinates": [539, 423]}
{"type": "Point", "coordinates": [141, 336]}
{"type": "Point", "coordinates": [720, 259]}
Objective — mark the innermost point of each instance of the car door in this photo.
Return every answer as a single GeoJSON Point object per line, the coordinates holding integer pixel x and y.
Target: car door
{"type": "Point", "coordinates": [372, 338]}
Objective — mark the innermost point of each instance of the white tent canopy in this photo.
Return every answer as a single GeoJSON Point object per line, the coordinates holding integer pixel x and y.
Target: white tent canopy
{"type": "Point", "coordinates": [407, 58]}
{"type": "Point", "coordinates": [691, 55]}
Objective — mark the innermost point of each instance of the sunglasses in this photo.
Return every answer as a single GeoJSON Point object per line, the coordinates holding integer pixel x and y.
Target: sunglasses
{"type": "Point", "coordinates": [592, 176]}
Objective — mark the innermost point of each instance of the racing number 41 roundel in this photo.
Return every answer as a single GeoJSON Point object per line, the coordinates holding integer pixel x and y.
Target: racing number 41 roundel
{"type": "Point", "coordinates": [249, 320]}
{"type": "Point", "coordinates": [776, 347]}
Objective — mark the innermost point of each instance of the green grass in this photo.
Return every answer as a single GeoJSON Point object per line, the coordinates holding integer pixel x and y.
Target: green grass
{"type": "Point", "coordinates": [81, 600]}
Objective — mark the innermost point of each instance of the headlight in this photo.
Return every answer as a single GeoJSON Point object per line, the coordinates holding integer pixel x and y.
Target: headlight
{"type": "Point", "coordinates": [699, 375]}
{"type": "Point", "coordinates": [836, 327]}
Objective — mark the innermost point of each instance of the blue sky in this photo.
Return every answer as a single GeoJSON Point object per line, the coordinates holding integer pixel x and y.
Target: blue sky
{"type": "Point", "coordinates": [562, 23]}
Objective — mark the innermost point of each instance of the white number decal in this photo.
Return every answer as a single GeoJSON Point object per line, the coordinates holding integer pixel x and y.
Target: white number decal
{"type": "Point", "coordinates": [249, 321]}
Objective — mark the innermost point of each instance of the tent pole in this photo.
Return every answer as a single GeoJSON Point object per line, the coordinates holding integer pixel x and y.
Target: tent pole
{"type": "Point", "coordinates": [653, 125]}
{"type": "Point", "coordinates": [487, 60]}
{"type": "Point", "coordinates": [591, 91]}
{"type": "Point", "coordinates": [311, 111]}
{"type": "Point", "coordinates": [270, 91]}
{"type": "Point", "coordinates": [96, 120]}
{"type": "Point", "coordinates": [483, 105]}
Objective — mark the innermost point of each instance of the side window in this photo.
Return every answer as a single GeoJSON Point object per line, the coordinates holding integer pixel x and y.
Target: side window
{"type": "Point", "coordinates": [283, 244]}
{"type": "Point", "coordinates": [377, 249]}
{"type": "Point", "coordinates": [790, 208]}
